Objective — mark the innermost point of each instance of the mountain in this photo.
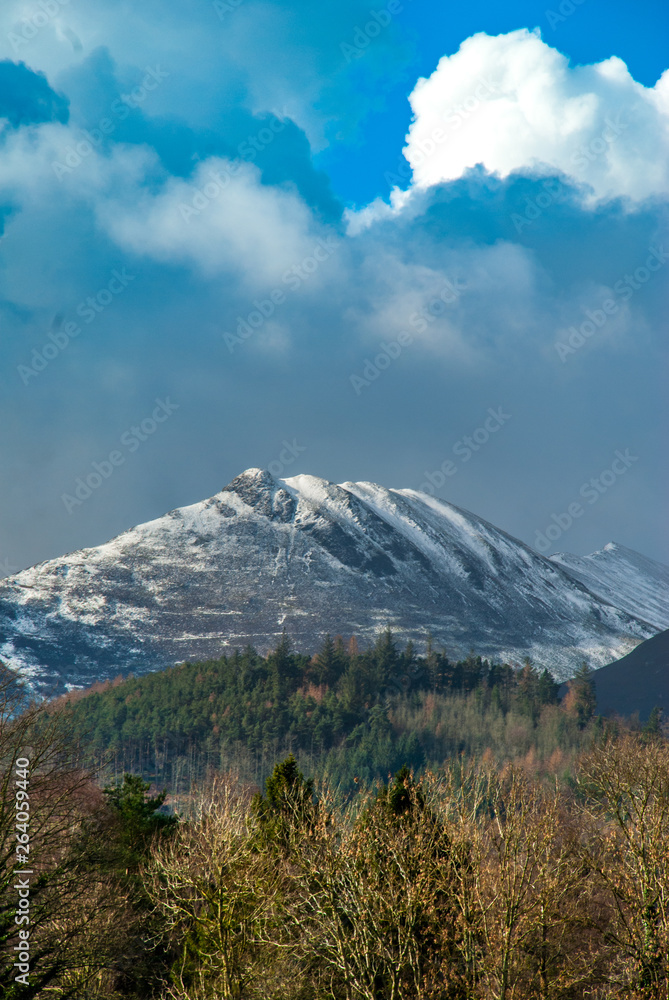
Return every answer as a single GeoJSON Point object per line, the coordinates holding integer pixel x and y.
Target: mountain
{"type": "Point", "coordinates": [625, 578]}
{"type": "Point", "coordinates": [310, 556]}
{"type": "Point", "coordinates": [637, 682]}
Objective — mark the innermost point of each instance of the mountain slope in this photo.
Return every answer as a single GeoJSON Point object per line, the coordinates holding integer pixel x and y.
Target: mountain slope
{"type": "Point", "coordinates": [637, 682]}
{"type": "Point", "coordinates": [312, 557]}
{"type": "Point", "coordinates": [625, 578]}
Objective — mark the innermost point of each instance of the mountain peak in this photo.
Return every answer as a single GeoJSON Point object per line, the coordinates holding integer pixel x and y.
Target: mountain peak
{"type": "Point", "coordinates": [252, 476]}
{"type": "Point", "coordinates": [314, 557]}
{"type": "Point", "coordinates": [264, 494]}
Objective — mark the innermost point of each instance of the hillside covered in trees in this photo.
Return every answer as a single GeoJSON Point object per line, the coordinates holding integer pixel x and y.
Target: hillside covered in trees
{"type": "Point", "coordinates": [474, 881]}
{"type": "Point", "coordinates": [347, 714]}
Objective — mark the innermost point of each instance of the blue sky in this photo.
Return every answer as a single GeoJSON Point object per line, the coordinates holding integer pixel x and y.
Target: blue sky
{"type": "Point", "coordinates": [334, 240]}
{"type": "Point", "coordinates": [596, 30]}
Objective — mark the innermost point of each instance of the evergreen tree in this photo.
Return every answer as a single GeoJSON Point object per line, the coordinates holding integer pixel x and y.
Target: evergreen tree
{"type": "Point", "coordinates": [119, 848]}
{"type": "Point", "coordinates": [653, 726]}
{"type": "Point", "coordinates": [547, 688]}
{"type": "Point", "coordinates": [402, 795]}
{"type": "Point", "coordinates": [287, 808]}
{"type": "Point", "coordinates": [386, 660]}
{"type": "Point", "coordinates": [137, 817]}
{"type": "Point", "coordinates": [330, 663]}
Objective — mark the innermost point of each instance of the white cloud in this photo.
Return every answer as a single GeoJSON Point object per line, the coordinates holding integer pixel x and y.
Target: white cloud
{"type": "Point", "coordinates": [52, 161]}
{"type": "Point", "coordinates": [513, 103]}
{"type": "Point", "coordinates": [358, 220]}
{"type": "Point", "coordinates": [222, 220]}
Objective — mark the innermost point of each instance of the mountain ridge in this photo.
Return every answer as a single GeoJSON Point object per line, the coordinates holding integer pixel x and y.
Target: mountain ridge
{"type": "Point", "coordinates": [623, 576]}
{"type": "Point", "coordinates": [311, 556]}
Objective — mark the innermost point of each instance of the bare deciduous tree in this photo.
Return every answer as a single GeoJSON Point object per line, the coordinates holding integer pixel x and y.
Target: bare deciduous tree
{"type": "Point", "coordinates": [374, 898]}
{"type": "Point", "coordinates": [625, 783]}
{"type": "Point", "coordinates": [64, 896]}
{"type": "Point", "coordinates": [216, 893]}
{"type": "Point", "coordinates": [521, 887]}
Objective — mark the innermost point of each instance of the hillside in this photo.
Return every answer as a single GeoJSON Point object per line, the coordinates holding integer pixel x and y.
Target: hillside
{"type": "Point", "coordinates": [638, 682]}
{"type": "Point", "coordinates": [346, 713]}
{"type": "Point", "coordinates": [625, 578]}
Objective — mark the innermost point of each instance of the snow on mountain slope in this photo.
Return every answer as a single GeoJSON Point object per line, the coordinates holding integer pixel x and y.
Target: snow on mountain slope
{"type": "Point", "coordinates": [624, 578]}
{"type": "Point", "coordinates": [312, 557]}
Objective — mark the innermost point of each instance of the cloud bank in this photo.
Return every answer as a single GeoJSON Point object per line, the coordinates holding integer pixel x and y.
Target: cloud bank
{"type": "Point", "coordinates": [512, 103]}
{"type": "Point", "coordinates": [246, 298]}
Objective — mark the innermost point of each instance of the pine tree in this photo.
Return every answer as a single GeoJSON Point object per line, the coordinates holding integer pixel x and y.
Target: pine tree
{"type": "Point", "coordinates": [137, 816]}
{"type": "Point", "coordinates": [287, 808]}
{"type": "Point", "coordinates": [329, 663]}
{"type": "Point", "coordinates": [387, 661]}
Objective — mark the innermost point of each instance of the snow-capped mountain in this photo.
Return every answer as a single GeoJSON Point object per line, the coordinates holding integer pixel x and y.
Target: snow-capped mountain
{"type": "Point", "coordinates": [633, 582]}
{"type": "Point", "coordinates": [310, 556]}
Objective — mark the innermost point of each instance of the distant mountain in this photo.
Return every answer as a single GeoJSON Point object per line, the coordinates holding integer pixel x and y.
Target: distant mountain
{"type": "Point", "coordinates": [624, 578]}
{"type": "Point", "coordinates": [313, 557]}
{"type": "Point", "coordinates": [637, 682]}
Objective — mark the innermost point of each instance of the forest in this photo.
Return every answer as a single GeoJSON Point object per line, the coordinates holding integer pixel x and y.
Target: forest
{"type": "Point", "coordinates": [467, 832]}
{"type": "Point", "coordinates": [346, 713]}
